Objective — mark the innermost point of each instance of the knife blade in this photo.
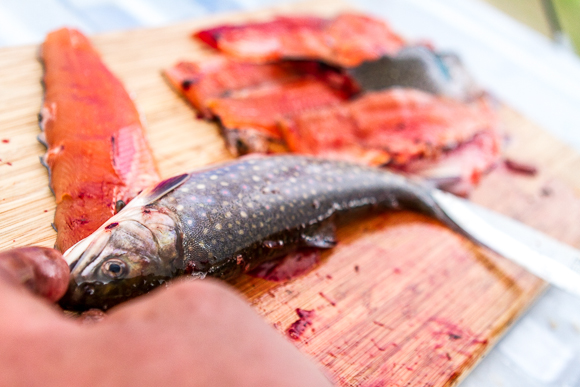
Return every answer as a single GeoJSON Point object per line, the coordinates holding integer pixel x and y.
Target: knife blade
{"type": "Point", "coordinates": [543, 256]}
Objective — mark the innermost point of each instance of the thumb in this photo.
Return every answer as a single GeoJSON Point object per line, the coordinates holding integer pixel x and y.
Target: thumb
{"type": "Point", "coordinates": [40, 269]}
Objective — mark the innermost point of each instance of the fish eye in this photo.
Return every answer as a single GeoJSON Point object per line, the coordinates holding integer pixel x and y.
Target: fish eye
{"type": "Point", "coordinates": [114, 268]}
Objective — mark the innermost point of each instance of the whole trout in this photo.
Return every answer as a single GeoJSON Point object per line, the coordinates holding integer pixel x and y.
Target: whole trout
{"type": "Point", "coordinates": [227, 219]}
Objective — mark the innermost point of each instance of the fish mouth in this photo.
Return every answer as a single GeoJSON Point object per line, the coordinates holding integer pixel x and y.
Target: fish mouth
{"type": "Point", "coordinates": [88, 295]}
{"type": "Point", "coordinates": [84, 295]}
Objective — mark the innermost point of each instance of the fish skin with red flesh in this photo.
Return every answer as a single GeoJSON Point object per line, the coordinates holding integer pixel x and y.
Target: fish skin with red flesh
{"type": "Point", "coordinates": [361, 38]}
{"type": "Point", "coordinates": [260, 109]}
{"type": "Point", "coordinates": [329, 133]}
{"type": "Point", "coordinates": [460, 169]}
{"type": "Point", "coordinates": [346, 40]}
{"type": "Point", "coordinates": [269, 41]}
{"type": "Point", "coordinates": [97, 151]}
{"type": "Point", "coordinates": [410, 123]}
{"type": "Point", "coordinates": [199, 82]}
{"type": "Point", "coordinates": [401, 124]}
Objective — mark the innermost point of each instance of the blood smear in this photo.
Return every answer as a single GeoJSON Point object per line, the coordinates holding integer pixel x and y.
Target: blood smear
{"type": "Point", "coordinates": [518, 167]}
{"type": "Point", "coordinates": [291, 266]}
{"type": "Point", "coordinates": [299, 326]}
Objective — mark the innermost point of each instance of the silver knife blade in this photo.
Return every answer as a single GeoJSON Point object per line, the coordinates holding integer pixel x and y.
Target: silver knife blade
{"type": "Point", "coordinates": [547, 258]}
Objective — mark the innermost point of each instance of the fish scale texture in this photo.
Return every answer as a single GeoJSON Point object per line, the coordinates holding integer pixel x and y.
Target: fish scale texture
{"type": "Point", "coordinates": [227, 209]}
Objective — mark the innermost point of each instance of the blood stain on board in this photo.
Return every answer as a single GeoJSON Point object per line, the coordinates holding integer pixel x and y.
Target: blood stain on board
{"type": "Point", "coordinates": [327, 299]}
{"type": "Point", "coordinates": [519, 167]}
{"type": "Point", "coordinates": [5, 140]}
{"type": "Point", "coordinates": [546, 191]}
{"type": "Point", "coordinates": [382, 325]}
{"type": "Point", "coordinates": [380, 348]}
{"type": "Point", "coordinates": [289, 267]}
{"type": "Point", "coordinates": [454, 336]}
{"type": "Point", "coordinates": [298, 327]}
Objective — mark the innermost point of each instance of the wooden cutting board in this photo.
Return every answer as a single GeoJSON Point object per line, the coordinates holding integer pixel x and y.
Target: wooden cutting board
{"type": "Point", "coordinates": [400, 301]}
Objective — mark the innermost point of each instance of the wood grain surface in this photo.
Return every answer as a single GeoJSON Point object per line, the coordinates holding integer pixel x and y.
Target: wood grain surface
{"type": "Point", "coordinates": [400, 301]}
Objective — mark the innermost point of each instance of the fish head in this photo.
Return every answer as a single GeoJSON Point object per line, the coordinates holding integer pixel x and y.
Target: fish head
{"type": "Point", "coordinates": [133, 252]}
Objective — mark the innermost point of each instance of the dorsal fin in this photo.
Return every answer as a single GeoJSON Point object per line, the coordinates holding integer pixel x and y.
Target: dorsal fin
{"type": "Point", "coordinates": [164, 187]}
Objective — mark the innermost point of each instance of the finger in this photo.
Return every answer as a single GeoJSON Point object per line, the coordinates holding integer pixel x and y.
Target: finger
{"type": "Point", "coordinates": [206, 327]}
{"type": "Point", "coordinates": [40, 269]}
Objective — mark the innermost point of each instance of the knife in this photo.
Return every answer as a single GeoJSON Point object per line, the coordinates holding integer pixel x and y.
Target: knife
{"type": "Point", "coordinates": [543, 256]}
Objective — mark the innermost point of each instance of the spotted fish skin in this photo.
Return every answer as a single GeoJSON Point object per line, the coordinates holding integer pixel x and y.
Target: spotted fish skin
{"type": "Point", "coordinates": [226, 220]}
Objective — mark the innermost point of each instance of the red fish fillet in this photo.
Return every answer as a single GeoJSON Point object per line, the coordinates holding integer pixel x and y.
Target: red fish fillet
{"type": "Point", "coordinates": [199, 82]}
{"type": "Point", "coordinates": [346, 40]}
{"type": "Point", "coordinates": [97, 152]}
{"type": "Point", "coordinates": [404, 124]}
{"type": "Point", "coordinates": [460, 169]}
{"type": "Point", "coordinates": [250, 118]}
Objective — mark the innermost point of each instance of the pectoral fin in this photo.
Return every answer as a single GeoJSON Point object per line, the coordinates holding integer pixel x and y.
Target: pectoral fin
{"type": "Point", "coordinates": [322, 236]}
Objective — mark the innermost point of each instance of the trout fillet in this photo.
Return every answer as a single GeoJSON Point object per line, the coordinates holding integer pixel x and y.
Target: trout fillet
{"type": "Point", "coordinates": [199, 82]}
{"type": "Point", "coordinates": [407, 124]}
{"type": "Point", "coordinates": [346, 40]}
{"type": "Point", "coordinates": [98, 157]}
{"type": "Point", "coordinates": [248, 99]}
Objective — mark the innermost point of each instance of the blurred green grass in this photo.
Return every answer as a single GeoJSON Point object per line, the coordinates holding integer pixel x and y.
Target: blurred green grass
{"type": "Point", "coordinates": [531, 12]}
{"type": "Point", "coordinates": [569, 14]}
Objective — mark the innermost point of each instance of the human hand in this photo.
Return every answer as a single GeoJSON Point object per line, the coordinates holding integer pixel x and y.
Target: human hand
{"type": "Point", "coordinates": [195, 333]}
